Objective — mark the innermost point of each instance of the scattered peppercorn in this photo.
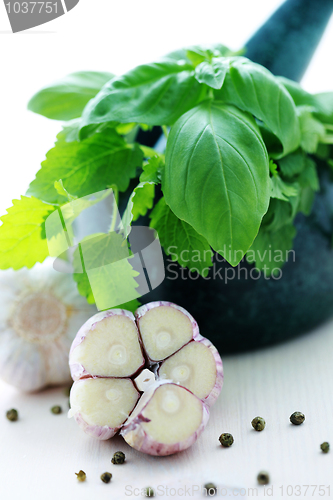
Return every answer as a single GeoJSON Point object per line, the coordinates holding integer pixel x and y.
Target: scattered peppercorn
{"type": "Point", "coordinates": [263, 478]}
{"type": "Point", "coordinates": [118, 458]}
{"type": "Point", "coordinates": [12, 415]}
{"type": "Point", "coordinates": [106, 477]}
{"type": "Point", "coordinates": [211, 489]}
{"type": "Point", "coordinates": [226, 439]}
{"type": "Point", "coordinates": [149, 492]}
{"type": "Point", "coordinates": [258, 424]}
{"type": "Point", "coordinates": [56, 410]}
{"type": "Point", "coordinates": [325, 447]}
{"type": "Point", "coordinates": [81, 476]}
{"type": "Point", "coordinates": [297, 418]}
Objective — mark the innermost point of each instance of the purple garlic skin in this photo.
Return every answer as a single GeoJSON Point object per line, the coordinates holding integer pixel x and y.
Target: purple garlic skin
{"type": "Point", "coordinates": [113, 348]}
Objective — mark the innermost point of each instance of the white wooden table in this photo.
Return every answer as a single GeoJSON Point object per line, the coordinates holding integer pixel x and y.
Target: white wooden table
{"type": "Point", "coordinates": [40, 453]}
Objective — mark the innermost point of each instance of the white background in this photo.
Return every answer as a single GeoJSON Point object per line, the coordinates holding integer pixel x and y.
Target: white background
{"type": "Point", "coordinates": [115, 36]}
{"type": "Point", "coordinates": [39, 454]}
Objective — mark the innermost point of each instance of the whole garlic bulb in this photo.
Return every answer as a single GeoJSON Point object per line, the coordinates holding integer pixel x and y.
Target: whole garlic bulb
{"type": "Point", "coordinates": [40, 313]}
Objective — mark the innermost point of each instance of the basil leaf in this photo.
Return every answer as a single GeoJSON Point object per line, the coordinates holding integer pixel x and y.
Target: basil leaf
{"type": "Point", "coordinates": [195, 54]}
{"type": "Point", "coordinates": [278, 214]}
{"type": "Point", "coordinates": [216, 176]}
{"type": "Point", "coordinates": [180, 240]}
{"type": "Point", "coordinates": [66, 98]}
{"type": "Point", "coordinates": [211, 73]}
{"type": "Point", "coordinates": [22, 234]}
{"type": "Point", "coordinates": [324, 104]}
{"type": "Point", "coordinates": [309, 176]}
{"type": "Point", "coordinates": [155, 94]}
{"type": "Point", "coordinates": [86, 167]}
{"type": "Point", "coordinates": [253, 88]}
{"type": "Point", "coordinates": [293, 163]}
{"type": "Point", "coordinates": [312, 131]}
{"type": "Point", "coordinates": [270, 249]}
{"type": "Point", "coordinates": [300, 96]}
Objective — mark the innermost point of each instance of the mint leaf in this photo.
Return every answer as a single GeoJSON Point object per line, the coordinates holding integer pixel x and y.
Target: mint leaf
{"type": "Point", "coordinates": [212, 73]}
{"type": "Point", "coordinates": [152, 170]}
{"type": "Point", "coordinates": [281, 189]}
{"type": "Point", "coordinates": [253, 88]}
{"type": "Point", "coordinates": [140, 201]}
{"type": "Point", "coordinates": [216, 176]}
{"type": "Point", "coordinates": [87, 167]}
{"type": "Point", "coordinates": [155, 94]}
{"type": "Point", "coordinates": [271, 249]}
{"type": "Point", "coordinates": [59, 186]}
{"type": "Point", "coordinates": [66, 98]}
{"type": "Point", "coordinates": [180, 240]}
{"type": "Point", "coordinates": [22, 233]}
{"type": "Point", "coordinates": [101, 282]}
{"type": "Point", "coordinates": [312, 131]}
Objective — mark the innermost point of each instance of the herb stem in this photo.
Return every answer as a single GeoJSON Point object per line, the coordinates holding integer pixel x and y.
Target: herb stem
{"type": "Point", "coordinates": [114, 208]}
{"type": "Point", "coordinates": [165, 130]}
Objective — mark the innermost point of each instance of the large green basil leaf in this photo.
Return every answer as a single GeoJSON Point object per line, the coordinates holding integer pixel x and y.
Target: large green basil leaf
{"type": "Point", "coordinates": [253, 88]}
{"type": "Point", "coordinates": [155, 94]}
{"type": "Point", "coordinates": [66, 98]}
{"type": "Point", "coordinates": [86, 167]}
{"type": "Point", "coordinates": [216, 176]}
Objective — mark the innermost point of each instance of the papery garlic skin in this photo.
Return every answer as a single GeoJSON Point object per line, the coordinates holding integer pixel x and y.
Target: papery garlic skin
{"type": "Point", "coordinates": [40, 313]}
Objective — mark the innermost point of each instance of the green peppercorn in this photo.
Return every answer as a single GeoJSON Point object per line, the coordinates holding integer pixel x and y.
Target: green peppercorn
{"type": "Point", "coordinates": [12, 415]}
{"type": "Point", "coordinates": [263, 478]}
{"type": "Point", "coordinates": [258, 424]}
{"type": "Point", "coordinates": [56, 410]}
{"type": "Point", "coordinates": [81, 476]}
{"type": "Point", "coordinates": [297, 418]}
{"type": "Point", "coordinates": [325, 447]}
{"type": "Point", "coordinates": [226, 439]}
{"type": "Point", "coordinates": [118, 458]}
{"type": "Point", "coordinates": [210, 489]}
{"type": "Point", "coordinates": [106, 477]}
{"type": "Point", "coordinates": [149, 492]}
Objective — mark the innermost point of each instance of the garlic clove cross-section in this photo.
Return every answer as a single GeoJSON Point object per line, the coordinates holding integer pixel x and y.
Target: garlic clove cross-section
{"type": "Point", "coordinates": [167, 419]}
{"type": "Point", "coordinates": [102, 405]}
{"type": "Point", "coordinates": [107, 346]}
{"type": "Point", "coordinates": [152, 377]}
